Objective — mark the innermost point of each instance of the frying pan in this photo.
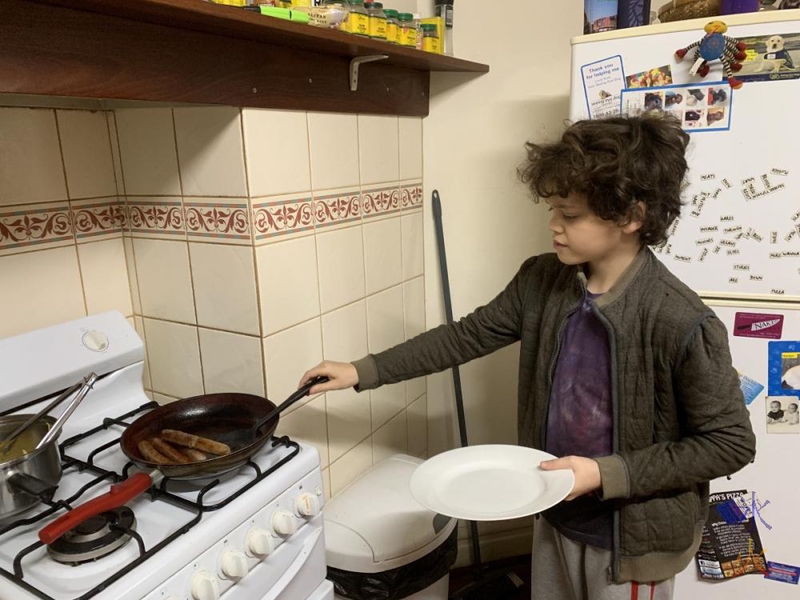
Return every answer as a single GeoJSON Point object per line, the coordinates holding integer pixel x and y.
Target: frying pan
{"type": "Point", "coordinates": [242, 421]}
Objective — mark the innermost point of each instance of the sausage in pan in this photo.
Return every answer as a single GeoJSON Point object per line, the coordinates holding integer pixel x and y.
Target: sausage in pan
{"type": "Point", "coordinates": [173, 454]}
{"type": "Point", "coordinates": [193, 441]}
{"type": "Point", "coordinates": [195, 455]}
{"type": "Point", "coordinates": [151, 454]}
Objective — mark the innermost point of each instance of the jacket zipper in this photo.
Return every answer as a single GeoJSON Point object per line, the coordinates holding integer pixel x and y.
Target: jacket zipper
{"type": "Point", "coordinates": [612, 342]}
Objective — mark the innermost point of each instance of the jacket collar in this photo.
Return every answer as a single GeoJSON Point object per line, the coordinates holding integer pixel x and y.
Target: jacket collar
{"type": "Point", "coordinates": [622, 284]}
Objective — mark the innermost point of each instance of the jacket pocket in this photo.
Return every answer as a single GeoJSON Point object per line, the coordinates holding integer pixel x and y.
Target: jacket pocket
{"type": "Point", "coordinates": [664, 523]}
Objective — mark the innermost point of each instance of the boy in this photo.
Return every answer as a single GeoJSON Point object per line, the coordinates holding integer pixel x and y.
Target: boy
{"type": "Point", "coordinates": [624, 373]}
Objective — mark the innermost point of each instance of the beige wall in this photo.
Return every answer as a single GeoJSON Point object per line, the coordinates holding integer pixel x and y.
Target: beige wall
{"type": "Point", "coordinates": [245, 246]}
{"type": "Point", "coordinates": [473, 143]}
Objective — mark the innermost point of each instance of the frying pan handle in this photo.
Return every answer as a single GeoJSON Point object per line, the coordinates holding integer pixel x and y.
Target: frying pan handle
{"type": "Point", "coordinates": [298, 395]}
{"type": "Point", "coordinates": [119, 495]}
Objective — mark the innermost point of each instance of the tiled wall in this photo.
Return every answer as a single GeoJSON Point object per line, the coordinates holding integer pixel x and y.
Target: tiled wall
{"type": "Point", "coordinates": [246, 245]}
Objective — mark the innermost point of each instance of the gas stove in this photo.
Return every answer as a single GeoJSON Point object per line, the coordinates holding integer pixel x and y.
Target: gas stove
{"type": "Point", "coordinates": [242, 534]}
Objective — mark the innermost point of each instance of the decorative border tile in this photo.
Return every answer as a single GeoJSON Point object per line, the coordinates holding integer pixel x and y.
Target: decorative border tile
{"type": "Point", "coordinates": [214, 219]}
{"type": "Point", "coordinates": [156, 217]}
{"type": "Point", "coordinates": [337, 208]}
{"type": "Point", "coordinates": [411, 195]}
{"type": "Point", "coordinates": [381, 201]}
{"type": "Point", "coordinates": [101, 218]}
{"type": "Point", "coordinates": [35, 227]}
{"type": "Point", "coordinates": [282, 217]}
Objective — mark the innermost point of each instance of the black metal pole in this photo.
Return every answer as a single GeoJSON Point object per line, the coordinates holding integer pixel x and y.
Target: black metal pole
{"type": "Point", "coordinates": [448, 310]}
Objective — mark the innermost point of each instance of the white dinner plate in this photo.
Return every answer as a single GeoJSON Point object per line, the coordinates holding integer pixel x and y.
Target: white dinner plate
{"type": "Point", "coordinates": [489, 483]}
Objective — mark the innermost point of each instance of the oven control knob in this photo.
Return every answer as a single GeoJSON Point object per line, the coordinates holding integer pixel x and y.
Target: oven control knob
{"type": "Point", "coordinates": [205, 586]}
{"type": "Point", "coordinates": [234, 564]}
{"type": "Point", "coordinates": [260, 542]}
{"type": "Point", "coordinates": [283, 522]}
{"type": "Point", "coordinates": [308, 505]}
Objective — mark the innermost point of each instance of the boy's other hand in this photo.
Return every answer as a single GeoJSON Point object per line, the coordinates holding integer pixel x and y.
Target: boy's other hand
{"type": "Point", "coordinates": [342, 375]}
{"type": "Point", "coordinates": [586, 471]}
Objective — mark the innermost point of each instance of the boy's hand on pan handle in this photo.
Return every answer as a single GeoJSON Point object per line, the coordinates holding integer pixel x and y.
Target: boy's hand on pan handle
{"type": "Point", "coordinates": [586, 471]}
{"type": "Point", "coordinates": [341, 376]}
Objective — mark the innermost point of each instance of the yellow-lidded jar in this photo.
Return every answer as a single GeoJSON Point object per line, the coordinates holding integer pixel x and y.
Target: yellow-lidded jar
{"type": "Point", "coordinates": [430, 38]}
{"type": "Point", "coordinates": [377, 20]}
{"type": "Point", "coordinates": [407, 30]}
{"type": "Point", "coordinates": [391, 26]}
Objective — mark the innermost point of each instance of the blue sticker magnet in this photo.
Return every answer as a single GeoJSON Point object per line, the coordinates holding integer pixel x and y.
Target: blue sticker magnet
{"type": "Point", "coordinates": [751, 389]}
{"type": "Point", "coordinates": [781, 572]}
{"type": "Point", "coordinates": [784, 369]}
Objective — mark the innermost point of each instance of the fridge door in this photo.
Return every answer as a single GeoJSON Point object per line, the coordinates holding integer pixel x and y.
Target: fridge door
{"type": "Point", "coordinates": [739, 233]}
{"type": "Point", "coordinates": [774, 474]}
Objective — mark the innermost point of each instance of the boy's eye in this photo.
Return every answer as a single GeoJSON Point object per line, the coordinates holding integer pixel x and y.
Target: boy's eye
{"type": "Point", "coordinates": [570, 217]}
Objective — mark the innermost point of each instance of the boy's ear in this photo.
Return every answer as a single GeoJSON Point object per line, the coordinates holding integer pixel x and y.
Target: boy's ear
{"type": "Point", "coordinates": [635, 219]}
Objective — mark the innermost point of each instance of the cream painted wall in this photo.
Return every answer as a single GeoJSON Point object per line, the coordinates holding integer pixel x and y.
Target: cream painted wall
{"type": "Point", "coordinates": [473, 142]}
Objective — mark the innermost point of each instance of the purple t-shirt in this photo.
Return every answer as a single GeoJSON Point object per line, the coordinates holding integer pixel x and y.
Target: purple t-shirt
{"type": "Point", "coordinates": [580, 419]}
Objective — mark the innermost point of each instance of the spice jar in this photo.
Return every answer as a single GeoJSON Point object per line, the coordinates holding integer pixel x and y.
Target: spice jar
{"type": "Point", "coordinates": [358, 19]}
{"type": "Point", "coordinates": [430, 38]}
{"type": "Point", "coordinates": [391, 26]}
{"type": "Point", "coordinates": [377, 20]}
{"type": "Point", "coordinates": [407, 31]}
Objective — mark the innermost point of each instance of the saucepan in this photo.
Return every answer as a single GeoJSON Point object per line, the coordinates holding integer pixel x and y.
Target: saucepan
{"type": "Point", "coordinates": [242, 422]}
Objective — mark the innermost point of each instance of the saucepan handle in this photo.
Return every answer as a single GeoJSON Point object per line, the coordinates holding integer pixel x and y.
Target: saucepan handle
{"type": "Point", "coordinates": [119, 495]}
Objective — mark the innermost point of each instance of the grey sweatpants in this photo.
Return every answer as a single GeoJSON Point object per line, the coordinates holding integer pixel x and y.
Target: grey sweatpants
{"type": "Point", "coordinates": [566, 570]}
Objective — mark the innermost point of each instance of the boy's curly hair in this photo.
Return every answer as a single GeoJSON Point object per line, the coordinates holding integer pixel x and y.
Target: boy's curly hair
{"type": "Point", "coordinates": [617, 162]}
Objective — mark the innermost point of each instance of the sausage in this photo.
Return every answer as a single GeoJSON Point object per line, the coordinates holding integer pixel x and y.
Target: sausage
{"type": "Point", "coordinates": [151, 454]}
{"type": "Point", "coordinates": [193, 441]}
{"type": "Point", "coordinates": [173, 454]}
{"type": "Point", "coordinates": [195, 455]}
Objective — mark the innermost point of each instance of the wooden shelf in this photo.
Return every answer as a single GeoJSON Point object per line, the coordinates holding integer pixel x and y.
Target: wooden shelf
{"type": "Point", "coordinates": [198, 52]}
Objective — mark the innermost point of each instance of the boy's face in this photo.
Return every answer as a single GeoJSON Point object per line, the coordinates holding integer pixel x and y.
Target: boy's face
{"type": "Point", "coordinates": [580, 236]}
{"type": "Point", "coordinates": [793, 408]}
{"type": "Point", "coordinates": [775, 405]}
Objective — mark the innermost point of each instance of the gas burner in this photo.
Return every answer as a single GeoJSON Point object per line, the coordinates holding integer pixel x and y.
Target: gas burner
{"type": "Point", "coordinates": [94, 538]}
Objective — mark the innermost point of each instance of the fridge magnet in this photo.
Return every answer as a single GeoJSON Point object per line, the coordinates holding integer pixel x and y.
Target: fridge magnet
{"type": "Point", "coordinates": [731, 545]}
{"type": "Point", "coordinates": [698, 108]}
{"type": "Point", "coordinates": [751, 389]}
{"type": "Point", "coordinates": [782, 414]}
{"type": "Point", "coordinates": [784, 369]}
{"type": "Point", "coordinates": [715, 45]}
{"type": "Point", "coordinates": [758, 325]}
{"type": "Point", "coordinates": [781, 572]}
{"type": "Point", "coordinates": [602, 83]}
{"type": "Point", "coordinates": [652, 78]}
{"type": "Point", "coordinates": [771, 58]}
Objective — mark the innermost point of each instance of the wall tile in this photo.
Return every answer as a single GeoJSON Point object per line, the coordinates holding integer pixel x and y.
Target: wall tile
{"type": "Point", "coordinates": [115, 157]}
{"type": "Point", "coordinates": [415, 388]}
{"type": "Point", "coordinates": [31, 282]}
{"type": "Point", "coordinates": [28, 227]}
{"type": "Point", "coordinates": [350, 466]}
{"type": "Point", "coordinates": [334, 150]}
{"type": "Point", "coordinates": [386, 402]}
{"type": "Point", "coordinates": [380, 201]}
{"type": "Point", "coordinates": [382, 255]}
{"type": "Point", "coordinates": [224, 284]}
{"type": "Point", "coordinates": [288, 355]}
{"type": "Point", "coordinates": [98, 219]}
{"type": "Point", "coordinates": [138, 323]}
{"type": "Point", "coordinates": [147, 149]}
{"type": "Point", "coordinates": [385, 319]}
{"type": "Point", "coordinates": [418, 427]}
{"type": "Point", "coordinates": [288, 286]}
{"type": "Point", "coordinates": [410, 148]}
{"type": "Point", "coordinates": [274, 139]}
{"type": "Point", "coordinates": [210, 151]}
{"type": "Point", "coordinates": [231, 362]}
{"type": "Point", "coordinates": [340, 257]}
{"type": "Point", "coordinates": [378, 148]}
{"type": "Point", "coordinates": [133, 279]}
{"type": "Point", "coordinates": [174, 354]}
{"type": "Point", "coordinates": [165, 284]}
{"type": "Point", "coordinates": [308, 423]}
{"type": "Point", "coordinates": [390, 439]}
{"type": "Point", "coordinates": [218, 220]}
{"type": "Point", "coordinates": [105, 277]}
{"type": "Point", "coordinates": [155, 217]}
{"type": "Point", "coordinates": [335, 209]}
{"type": "Point", "coordinates": [87, 153]}
{"type": "Point", "coordinates": [414, 306]}
{"type": "Point", "coordinates": [411, 195]}
{"type": "Point", "coordinates": [344, 336]}
{"type": "Point", "coordinates": [284, 217]}
{"type": "Point", "coordinates": [413, 257]}
{"type": "Point", "coordinates": [30, 170]}
{"type": "Point", "coordinates": [326, 483]}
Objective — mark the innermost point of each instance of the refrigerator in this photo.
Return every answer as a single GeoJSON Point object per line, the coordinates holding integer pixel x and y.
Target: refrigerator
{"type": "Point", "coordinates": [736, 243]}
